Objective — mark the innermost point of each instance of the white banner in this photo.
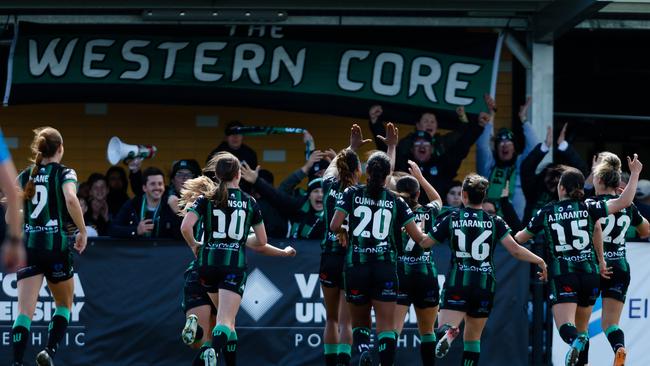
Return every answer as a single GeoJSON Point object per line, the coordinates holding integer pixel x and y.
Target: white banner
{"type": "Point", "coordinates": [635, 320]}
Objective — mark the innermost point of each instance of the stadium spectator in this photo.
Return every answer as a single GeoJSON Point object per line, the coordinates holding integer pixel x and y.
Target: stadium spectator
{"type": "Point", "coordinates": [275, 222]}
{"type": "Point", "coordinates": [97, 215]}
{"type": "Point", "coordinates": [313, 168]}
{"type": "Point", "coordinates": [540, 189]}
{"type": "Point", "coordinates": [499, 162]}
{"type": "Point", "coordinates": [642, 197]}
{"type": "Point", "coordinates": [147, 215]}
{"type": "Point", "coordinates": [304, 213]}
{"type": "Point", "coordinates": [84, 190]}
{"type": "Point", "coordinates": [234, 144]}
{"type": "Point", "coordinates": [117, 187]}
{"type": "Point", "coordinates": [182, 170]}
{"type": "Point", "coordinates": [453, 195]}
{"type": "Point", "coordinates": [439, 157]}
{"type": "Point", "coordinates": [84, 209]}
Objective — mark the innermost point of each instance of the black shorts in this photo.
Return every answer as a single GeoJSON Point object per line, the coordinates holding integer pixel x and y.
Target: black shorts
{"type": "Point", "coordinates": [616, 287]}
{"type": "Point", "coordinates": [420, 289]}
{"type": "Point", "coordinates": [331, 269]}
{"type": "Point", "coordinates": [579, 288]}
{"type": "Point", "coordinates": [215, 278]}
{"type": "Point", "coordinates": [474, 301]}
{"type": "Point", "coordinates": [55, 265]}
{"type": "Point", "coordinates": [194, 294]}
{"type": "Point", "coordinates": [371, 281]}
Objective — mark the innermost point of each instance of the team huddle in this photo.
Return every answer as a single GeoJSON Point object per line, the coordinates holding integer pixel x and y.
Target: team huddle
{"type": "Point", "coordinates": [375, 254]}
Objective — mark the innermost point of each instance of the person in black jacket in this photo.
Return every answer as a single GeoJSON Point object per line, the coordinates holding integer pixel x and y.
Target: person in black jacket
{"type": "Point", "coordinates": [304, 213]}
{"type": "Point", "coordinates": [234, 144]}
{"type": "Point", "coordinates": [540, 189]}
{"type": "Point", "coordinates": [147, 215]}
{"type": "Point", "coordinates": [117, 187]}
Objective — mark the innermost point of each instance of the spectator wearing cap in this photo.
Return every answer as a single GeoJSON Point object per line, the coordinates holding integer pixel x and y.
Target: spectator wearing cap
{"type": "Point", "coordinates": [499, 161]}
{"type": "Point", "coordinates": [313, 168]}
{"type": "Point", "coordinates": [305, 213]}
{"type": "Point", "coordinates": [182, 170]}
{"type": "Point", "coordinates": [439, 163]}
{"type": "Point", "coordinates": [234, 144]}
{"type": "Point", "coordinates": [147, 215]}
{"type": "Point", "coordinates": [642, 197]}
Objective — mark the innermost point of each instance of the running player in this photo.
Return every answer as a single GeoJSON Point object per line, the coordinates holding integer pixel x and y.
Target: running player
{"type": "Point", "coordinates": [199, 309]}
{"type": "Point", "coordinates": [468, 292]}
{"type": "Point", "coordinates": [370, 276]}
{"type": "Point", "coordinates": [227, 215]}
{"type": "Point", "coordinates": [50, 208]}
{"type": "Point", "coordinates": [418, 277]}
{"type": "Point", "coordinates": [607, 177]}
{"type": "Point", "coordinates": [13, 251]}
{"type": "Point", "coordinates": [572, 235]}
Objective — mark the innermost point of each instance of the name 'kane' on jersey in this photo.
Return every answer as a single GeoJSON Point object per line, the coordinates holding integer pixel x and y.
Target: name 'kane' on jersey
{"type": "Point", "coordinates": [473, 235]}
{"type": "Point", "coordinates": [226, 229]}
{"type": "Point", "coordinates": [47, 221]}
{"type": "Point", "coordinates": [371, 222]}
{"type": "Point", "coordinates": [568, 227]}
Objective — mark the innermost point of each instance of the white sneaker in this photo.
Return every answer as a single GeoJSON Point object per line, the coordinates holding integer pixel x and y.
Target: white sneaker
{"type": "Point", "coordinates": [444, 344]}
{"type": "Point", "coordinates": [210, 357]}
{"type": "Point", "coordinates": [43, 359]}
{"type": "Point", "coordinates": [189, 331]}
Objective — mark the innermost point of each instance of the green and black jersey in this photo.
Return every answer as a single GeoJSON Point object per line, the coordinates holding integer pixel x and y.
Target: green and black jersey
{"type": "Point", "coordinates": [332, 193]}
{"type": "Point", "coordinates": [615, 227]}
{"type": "Point", "coordinates": [226, 229]}
{"type": "Point", "coordinates": [473, 234]}
{"type": "Point", "coordinates": [371, 223]}
{"type": "Point", "coordinates": [568, 227]}
{"type": "Point", "coordinates": [411, 257]}
{"type": "Point", "coordinates": [47, 221]}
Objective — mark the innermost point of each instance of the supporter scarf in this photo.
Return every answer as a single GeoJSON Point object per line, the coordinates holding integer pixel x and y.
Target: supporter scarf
{"type": "Point", "coordinates": [155, 218]}
{"type": "Point", "coordinates": [270, 130]}
{"type": "Point", "coordinates": [498, 179]}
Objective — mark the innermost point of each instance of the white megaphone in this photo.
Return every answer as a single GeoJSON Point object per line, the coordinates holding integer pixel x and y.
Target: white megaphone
{"type": "Point", "coordinates": [118, 150]}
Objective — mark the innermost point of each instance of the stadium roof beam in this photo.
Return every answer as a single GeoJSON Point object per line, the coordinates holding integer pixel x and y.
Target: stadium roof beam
{"type": "Point", "coordinates": [561, 16]}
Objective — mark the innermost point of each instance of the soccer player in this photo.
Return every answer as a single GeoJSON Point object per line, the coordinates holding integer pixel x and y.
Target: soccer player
{"type": "Point", "coordinates": [468, 293]}
{"type": "Point", "coordinates": [607, 177]}
{"type": "Point", "coordinates": [417, 273]}
{"type": "Point", "coordinates": [370, 276]}
{"type": "Point", "coordinates": [13, 251]}
{"type": "Point", "coordinates": [51, 212]}
{"type": "Point", "coordinates": [196, 304]}
{"type": "Point", "coordinates": [227, 215]}
{"type": "Point", "coordinates": [572, 234]}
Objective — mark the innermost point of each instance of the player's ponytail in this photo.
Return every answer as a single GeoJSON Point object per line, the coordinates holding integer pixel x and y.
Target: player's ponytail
{"type": "Point", "coordinates": [476, 187]}
{"type": "Point", "coordinates": [408, 188]}
{"type": "Point", "coordinates": [347, 165]}
{"type": "Point", "coordinates": [193, 188]}
{"type": "Point", "coordinates": [226, 170]}
{"type": "Point", "coordinates": [46, 143]}
{"type": "Point", "coordinates": [608, 169]}
{"type": "Point", "coordinates": [573, 182]}
{"type": "Point", "coordinates": [377, 170]}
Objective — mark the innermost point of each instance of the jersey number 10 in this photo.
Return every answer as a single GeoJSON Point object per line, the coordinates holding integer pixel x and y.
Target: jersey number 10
{"type": "Point", "coordinates": [236, 227]}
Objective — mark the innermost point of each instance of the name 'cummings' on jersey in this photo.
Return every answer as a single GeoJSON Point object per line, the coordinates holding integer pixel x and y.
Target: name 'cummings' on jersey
{"type": "Point", "coordinates": [568, 228]}
{"type": "Point", "coordinates": [473, 235]}
{"type": "Point", "coordinates": [371, 222]}
{"type": "Point", "coordinates": [47, 221]}
{"type": "Point", "coordinates": [226, 229]}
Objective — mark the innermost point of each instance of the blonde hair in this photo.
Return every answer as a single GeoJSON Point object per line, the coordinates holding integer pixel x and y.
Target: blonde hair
{"type": "Point", "coordinates": [193, 188]}
{"type": "Point", "coordinates": [608, 169]}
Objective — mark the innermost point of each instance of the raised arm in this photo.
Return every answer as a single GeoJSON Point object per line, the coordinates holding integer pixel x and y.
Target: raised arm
{"type": "Point", "coordinates": [391, 138]}
{"type": "Point", "coordinates": [431, 192]}
{"type": "Point", "coordinates": [625, 199]}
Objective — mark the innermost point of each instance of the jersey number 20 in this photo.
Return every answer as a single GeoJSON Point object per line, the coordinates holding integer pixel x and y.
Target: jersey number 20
{"type": "Point", "coordinates": [380, 222]}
